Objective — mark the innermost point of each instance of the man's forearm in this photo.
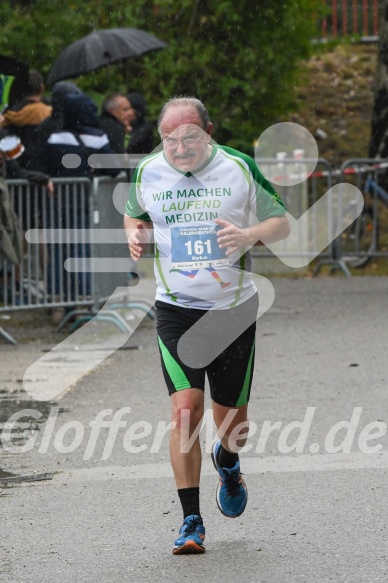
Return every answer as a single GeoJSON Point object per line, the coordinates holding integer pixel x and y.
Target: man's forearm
{"type": "Point", "coordinates": [131, 224]}
{"type": "Point", "coordinates": [269, 231]}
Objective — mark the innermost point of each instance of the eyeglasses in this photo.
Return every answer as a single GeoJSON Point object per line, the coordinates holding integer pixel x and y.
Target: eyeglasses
{"type": "Point", "coordinates": [172, 143]}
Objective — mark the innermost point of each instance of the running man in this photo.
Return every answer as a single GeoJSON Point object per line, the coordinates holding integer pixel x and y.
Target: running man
{"type": "Point", "coordinates": [196, 199]}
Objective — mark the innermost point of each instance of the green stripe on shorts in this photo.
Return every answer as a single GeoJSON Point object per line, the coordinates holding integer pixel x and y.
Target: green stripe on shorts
{"type": "Point", "coordinates": [243, 398]}
{"type": "Point", "coordinates": [177, 375]}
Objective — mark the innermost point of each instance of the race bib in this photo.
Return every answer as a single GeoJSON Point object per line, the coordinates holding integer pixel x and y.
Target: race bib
{"type": "Point", "coordinates": [195, 247]}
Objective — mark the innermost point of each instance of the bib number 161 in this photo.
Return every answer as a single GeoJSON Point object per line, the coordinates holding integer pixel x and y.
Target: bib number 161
{"type": "Point", "coordinates": [198, 247]}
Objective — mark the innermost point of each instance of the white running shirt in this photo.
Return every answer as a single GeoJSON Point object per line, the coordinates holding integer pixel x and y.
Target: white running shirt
{"type": "Point", "coordinates": [190, 269]}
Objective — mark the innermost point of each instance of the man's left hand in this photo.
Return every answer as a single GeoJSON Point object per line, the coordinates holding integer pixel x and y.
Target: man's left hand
{"type": "Point", "coordinates": [231, 237]}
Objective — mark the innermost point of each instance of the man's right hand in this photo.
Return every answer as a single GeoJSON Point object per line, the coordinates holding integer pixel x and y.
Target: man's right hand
{"type": "Point", "coordinates": [137, 241]}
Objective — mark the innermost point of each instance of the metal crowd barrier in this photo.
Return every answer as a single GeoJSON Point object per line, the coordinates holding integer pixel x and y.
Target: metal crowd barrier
{"type": "Point", "coordinates": [299, 190]}
{"type": "Point", "coordinates": [39, 280]}
{"type": "Point", "coordinates": [75, 253]}
{"type": "Point", "coordinates": [359, 243]}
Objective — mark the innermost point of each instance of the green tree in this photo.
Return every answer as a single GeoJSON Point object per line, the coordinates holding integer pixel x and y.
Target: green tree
{"type": "Point", "coordinates": [240, 58]}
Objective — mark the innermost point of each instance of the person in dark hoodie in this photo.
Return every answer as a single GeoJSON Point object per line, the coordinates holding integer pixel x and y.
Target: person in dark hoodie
{"type": "Point", "coordinates": [141, 131]}
{"type": "Point", "coordinates": [55, 122]}
{"type": "Point", "coordinates": [80, 137]}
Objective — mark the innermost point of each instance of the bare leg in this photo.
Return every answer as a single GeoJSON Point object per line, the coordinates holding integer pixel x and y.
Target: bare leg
{"type": "Point", "coordinates": [228, 419]}
{"type": "Point", "coordinates": [186, 415]}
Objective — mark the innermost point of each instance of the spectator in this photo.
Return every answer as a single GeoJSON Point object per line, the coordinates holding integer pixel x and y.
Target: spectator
{"type": "Point", "coordinates": [25, 207]}
{"type": "Point", "coordinates": [25, 116]}
{"type": "Point", "coordinates": [55, 122]}
{"type": "Point", "coordinates": [378, 145]}
{"type": "Point", "coordinates": [81, 136]}
{"type": "Point", "coordinates": [378, 140]}
{"type": "Point", "coordinates": [10, 169]}
{"type": "Point", "coordinates": [114, 120]}
{"type": "Point", "coordinates": [141, 131]}
{"type": "Point", "coordinates": [10, 239]}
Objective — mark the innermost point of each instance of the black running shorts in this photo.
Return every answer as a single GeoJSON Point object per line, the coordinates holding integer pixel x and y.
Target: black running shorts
{"type": "Point", "coordinates": [230, 372]}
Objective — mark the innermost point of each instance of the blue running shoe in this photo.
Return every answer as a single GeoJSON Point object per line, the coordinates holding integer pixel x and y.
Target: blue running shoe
{"type": "Point", "coordinates": [192, 535]}
{"type": "Point", "coordinates": [232, 492]}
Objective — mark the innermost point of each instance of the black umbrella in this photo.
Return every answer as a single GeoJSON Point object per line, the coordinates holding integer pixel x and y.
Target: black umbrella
{"type": "Point", "coordinates": [101, 48]}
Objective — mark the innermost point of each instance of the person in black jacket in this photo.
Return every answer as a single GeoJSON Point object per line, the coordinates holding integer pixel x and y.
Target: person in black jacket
{"type": "Point", "coordinates": [10, 169]}
{"type": "Point", "coordinates": [80, 136]}
{"type": "Point", "coordinates": [65, 155]}
{"type": "Point", "coordinates": [142, 131]}
{"type": "Point", "coordinates": [114, 120]}
{"type": "Point", "coordinates": [55, 121]}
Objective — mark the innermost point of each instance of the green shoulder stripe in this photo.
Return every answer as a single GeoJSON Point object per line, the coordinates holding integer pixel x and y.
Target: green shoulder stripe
{"type": "Point", "coordinates": [133, 208]}
{"type": "Point", "coordinates": [273, 206]}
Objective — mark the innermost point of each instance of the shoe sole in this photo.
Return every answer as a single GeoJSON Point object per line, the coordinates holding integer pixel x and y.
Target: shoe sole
{"type": "Point", "coordinates": [218, 489]}
{"type": "Point", "coordinates": [189, 548]}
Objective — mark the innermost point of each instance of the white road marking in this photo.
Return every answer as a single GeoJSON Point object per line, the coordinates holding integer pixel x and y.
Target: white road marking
{"type": "Point", "coordinates": [249, 466]}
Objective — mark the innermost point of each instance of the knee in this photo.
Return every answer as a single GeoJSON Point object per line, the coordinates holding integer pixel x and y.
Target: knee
{"type": "Point", "coordinates": [187, 414]}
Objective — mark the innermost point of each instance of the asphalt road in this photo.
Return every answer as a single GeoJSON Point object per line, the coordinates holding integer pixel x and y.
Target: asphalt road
{"type": "Point", "coordinates": [110, 512]}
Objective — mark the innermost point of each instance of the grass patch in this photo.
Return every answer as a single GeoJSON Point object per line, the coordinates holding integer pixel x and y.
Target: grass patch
{"type": "Point", "coordinates": [335, 95]}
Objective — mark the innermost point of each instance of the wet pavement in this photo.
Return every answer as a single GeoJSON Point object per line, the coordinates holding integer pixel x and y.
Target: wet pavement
{"type": "Point", "coordinates": [32, 329]}
{"type": "Point", "coordinates": [35, 337]}
{"type": "Point", "coordinates": [104, 506]}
